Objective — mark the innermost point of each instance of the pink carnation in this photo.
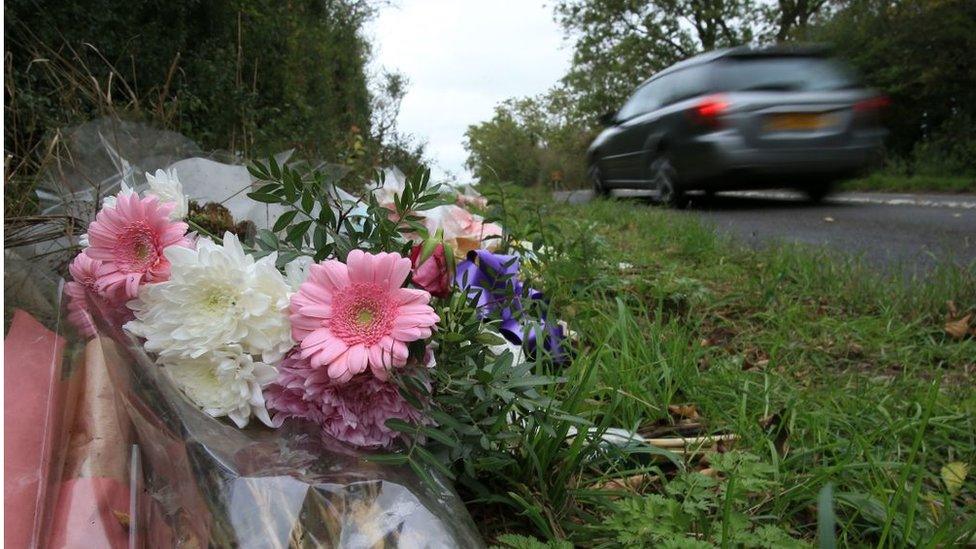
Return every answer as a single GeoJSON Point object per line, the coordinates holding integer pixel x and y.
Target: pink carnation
{"type": "Point", "coordinates": [83, 294]}
{"type": "Point", "coordinates": [129, 239]}
{"type": "Point", "coordinates": [354, 412]}
{"type": "Point", "coordinates": [346, 317]}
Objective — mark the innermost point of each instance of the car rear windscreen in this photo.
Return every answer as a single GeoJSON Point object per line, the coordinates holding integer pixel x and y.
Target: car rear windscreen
{"type": "Point", "coordinates": [788, 73]}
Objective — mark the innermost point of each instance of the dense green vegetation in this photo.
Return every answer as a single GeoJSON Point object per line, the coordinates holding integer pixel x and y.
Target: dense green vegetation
{"type": "Point", "coordinates": [246, 76]}
{"type": "Point", "coordinates": [881, 181]}
{"type": "Point", "coordinates": [849, 398]}
{"type": "Point", "coordinates": [918, 52]}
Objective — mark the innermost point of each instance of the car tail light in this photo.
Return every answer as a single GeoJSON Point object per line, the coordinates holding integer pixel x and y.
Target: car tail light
{"type": "Point", "coordinates": [872, 104]}
{"type": "Point", "coordinates": [708, 111]}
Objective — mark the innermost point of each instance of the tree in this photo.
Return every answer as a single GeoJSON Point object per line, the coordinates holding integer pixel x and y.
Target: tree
{"type": "Point", "coordinates": [919, 53]}
{"type": "Point", "coordinates": [529, 141]}
{"type": "Point", "coordinates": [249, 76]}
{"type": "Point", "coordinates": [619, 43]}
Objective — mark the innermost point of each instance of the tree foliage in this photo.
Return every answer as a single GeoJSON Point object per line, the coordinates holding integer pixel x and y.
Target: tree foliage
{"type": "Point", "coordinates": [920, 53]}
{"type": "Point", "coordinates": [529, 141]}
{"type": "Point", "coordinates": [247, 76]}
{"type": "Point", "coordinates": [619, 43]}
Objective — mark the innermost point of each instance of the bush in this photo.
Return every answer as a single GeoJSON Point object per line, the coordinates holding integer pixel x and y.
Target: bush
{"type": "Point", "coordinates": [252, 77]}
{"type": "Point", "coordinates": [530, 141]}
{"type": "Point", "coordinates": [950, 150]}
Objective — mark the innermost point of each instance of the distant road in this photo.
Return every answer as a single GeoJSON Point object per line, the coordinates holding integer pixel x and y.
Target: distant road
{"type": "Point", "coordinates": [907, 232]}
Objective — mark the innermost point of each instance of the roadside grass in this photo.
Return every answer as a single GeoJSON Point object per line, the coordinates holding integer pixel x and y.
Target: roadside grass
{"type": "Point", "coordinates": [911, 184]}
{"type": "Point", "coordinates": [831, 374]}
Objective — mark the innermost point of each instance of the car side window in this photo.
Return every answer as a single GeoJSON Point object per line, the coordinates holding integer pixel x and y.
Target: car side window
{"type": "Point", "coordinates": [686, 83]}
{"type": "Point", "coordinates": [632, 107]}
{"type": "Point", "coordinates": [645, 99]}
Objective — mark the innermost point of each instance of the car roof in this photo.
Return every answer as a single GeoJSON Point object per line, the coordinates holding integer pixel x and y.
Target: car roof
{"type": "Point", "coordinates": [782, 50]}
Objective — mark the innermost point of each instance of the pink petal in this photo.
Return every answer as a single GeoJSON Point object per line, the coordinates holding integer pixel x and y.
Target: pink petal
{"type": "Point", "coordinates": [409, 296]}
{"type": "Point", "coordinates": [360, 267]}
{"type": "Point", "coordinates": [380, 372]}
{"type": "Point", "coordinates": [332, 274]}
{"type": "Point", "coordinates": [412, 333]}
{"type": "Point", "coordinates": [358, 359]}
{"type": "Point", "coordinates": [401, 268]}
{"type": "Point", "coordinates": [377, 357]}
{"type": "Point", "coordinates": [339, 369]}
{"type": "Point", "coordinates": [317, 311]}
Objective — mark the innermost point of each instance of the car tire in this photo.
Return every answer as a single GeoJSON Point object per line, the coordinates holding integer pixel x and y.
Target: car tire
{"type": "Point", "coordinates": [817, 192]}
{"type": "Point", "coordinates": [600, 189]}
{"type": "Point", "coordinates": [666, 179]}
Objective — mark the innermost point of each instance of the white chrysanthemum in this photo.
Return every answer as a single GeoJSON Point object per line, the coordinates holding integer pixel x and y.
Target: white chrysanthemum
{"type": "Point", "coordinates": [296, 271]}
{"type": "Point", "coordinates": [109, 201]}
{"type": "Point", "coordinates": [226, 382]}
{"type": "Point", "coordinates": [166, 186]}
{"type": "Point", "coordinates": [216, 296]}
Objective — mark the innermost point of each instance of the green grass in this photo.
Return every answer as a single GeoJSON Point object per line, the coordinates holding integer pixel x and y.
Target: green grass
{"type": "Point", "coordinates": [916, 183]}
{"type": "Point", "coordinates": [830, 373]}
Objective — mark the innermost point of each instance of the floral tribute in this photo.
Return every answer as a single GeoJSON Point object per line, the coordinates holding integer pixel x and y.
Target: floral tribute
{"type": "Point", "coordinates": [353, 317]}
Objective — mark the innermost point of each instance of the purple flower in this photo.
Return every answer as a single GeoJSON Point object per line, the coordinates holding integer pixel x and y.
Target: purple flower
{"type": "Point", "coordinates": [492, 280]}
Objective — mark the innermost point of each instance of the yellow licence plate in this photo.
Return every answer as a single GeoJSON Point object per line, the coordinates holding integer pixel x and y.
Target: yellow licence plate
{"type": "Point", "coordinates": [792, 122]}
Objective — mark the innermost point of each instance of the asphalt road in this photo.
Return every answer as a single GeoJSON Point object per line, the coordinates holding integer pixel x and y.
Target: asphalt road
{"type": "Point", "coordinates": [897, 232]}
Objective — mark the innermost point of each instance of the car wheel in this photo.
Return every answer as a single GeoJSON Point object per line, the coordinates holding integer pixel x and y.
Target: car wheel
{"type": "Point", "coordinates": [665, 178]}
{"type": "Point", "coordinates": [596, 178]}
{"type": "Point", "coordinates": [817, 192]}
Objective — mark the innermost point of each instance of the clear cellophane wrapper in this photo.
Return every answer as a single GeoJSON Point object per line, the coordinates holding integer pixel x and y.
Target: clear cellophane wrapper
{"type": "Point", "coordinates": [101, 450]}
{"type": "Point", "coordinates": [226, 487]}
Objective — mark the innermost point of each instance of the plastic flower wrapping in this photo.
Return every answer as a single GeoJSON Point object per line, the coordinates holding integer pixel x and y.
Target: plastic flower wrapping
{"type": "Point", "coordinates": [273, 388]}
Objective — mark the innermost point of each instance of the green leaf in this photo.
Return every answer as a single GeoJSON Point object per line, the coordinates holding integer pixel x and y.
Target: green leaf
{"type": "Point", "coordinates": [288, 184]}
{"type": "Point", "coordinates": [264, 197]}
{"type": "Point", "coordinates": [284, 220]}
{"type": "Point", "coordinates": [424, 475]}
{"type": "Point", "coordinates": [439, 436]}
{"type": "Point", "coordinates": [266, 239]}
{"type": "Point", "coordinates": [258, 171]}
{"type": "Point", "coordinates": [432, 460]}
{"type": "Point", "coordinates": [387, 459]}
{"type": "Point", "coordinates": [297, 232]}
{"type": "Point", "coordinates": [826, 520]}
{"type": "Point", "coordinates": [273, 168]}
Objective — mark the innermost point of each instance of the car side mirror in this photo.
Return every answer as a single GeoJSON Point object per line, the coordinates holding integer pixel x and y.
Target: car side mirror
{"type": "Point", "coordinates": [608, 119]}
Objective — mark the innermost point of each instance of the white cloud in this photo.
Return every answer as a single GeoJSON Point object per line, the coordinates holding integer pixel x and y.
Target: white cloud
{"type": "Point", "coordinates": [462, 58]}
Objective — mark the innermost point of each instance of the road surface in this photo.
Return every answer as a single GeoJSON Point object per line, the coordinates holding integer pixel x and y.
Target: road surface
{"type": "Point", "coordinates": [907, 232]}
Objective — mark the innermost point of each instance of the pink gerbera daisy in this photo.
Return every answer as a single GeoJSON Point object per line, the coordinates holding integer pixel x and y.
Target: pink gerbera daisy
{"type": "Point", "coordinates": [83, 294]}
{"type": "Point", "coordinates": [129, 239]}
{"type": "Point", "coordinates": [350, 316]}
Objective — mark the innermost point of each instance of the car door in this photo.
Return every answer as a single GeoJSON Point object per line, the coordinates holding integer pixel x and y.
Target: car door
{"type": "Point", "coordinates": [618, 159]}
{"type": "Point", "coordinates": [635, 123]}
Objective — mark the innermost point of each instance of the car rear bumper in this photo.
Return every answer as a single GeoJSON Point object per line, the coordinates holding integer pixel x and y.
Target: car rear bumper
{"type": "Point", "coordinates": [722, 160]}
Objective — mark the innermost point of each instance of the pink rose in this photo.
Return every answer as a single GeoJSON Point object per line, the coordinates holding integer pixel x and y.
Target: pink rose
{"type": "Point", "coordinates": [433, 274]}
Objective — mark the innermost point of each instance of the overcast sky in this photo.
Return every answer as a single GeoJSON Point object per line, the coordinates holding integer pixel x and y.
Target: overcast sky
{"type": "Point", "coordinates": [462, 58]}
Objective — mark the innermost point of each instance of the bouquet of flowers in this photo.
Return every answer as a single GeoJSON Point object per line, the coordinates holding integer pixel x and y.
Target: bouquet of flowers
{"type": "Point", "coordinates": [388, 324]}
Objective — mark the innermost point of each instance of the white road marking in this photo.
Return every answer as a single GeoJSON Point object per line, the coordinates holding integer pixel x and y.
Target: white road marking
{"type": "Point", "coordinates": [964, 202]}
{"type": "Point", "coordinates": [969, 203]}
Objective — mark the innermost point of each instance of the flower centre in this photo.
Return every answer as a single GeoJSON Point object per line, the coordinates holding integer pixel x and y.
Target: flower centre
{"type": "Point", "coordinates": [137, 248]}
{"type": "Point", "coordinates": [362, 314]}
{"type": "Point", "coordinates": [365, 317]}
{"type": "Point", "coordinates": [218, 300]}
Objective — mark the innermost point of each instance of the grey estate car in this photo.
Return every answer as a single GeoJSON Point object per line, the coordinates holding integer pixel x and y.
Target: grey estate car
{"type": "Point", "coordinates": [740, 118]}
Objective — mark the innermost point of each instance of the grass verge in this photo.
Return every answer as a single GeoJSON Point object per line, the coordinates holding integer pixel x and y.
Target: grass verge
{"type": "Point", "coordinates": [911, 184]}
{"type": "Point", "coordinates": [842, 385]}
